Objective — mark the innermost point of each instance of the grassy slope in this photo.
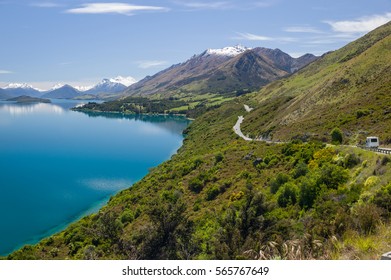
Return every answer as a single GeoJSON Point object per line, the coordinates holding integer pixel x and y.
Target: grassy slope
{"type": "Point", "coordinates": [223, 198]}
{"type": "Point", "coordinates": [348, 88]}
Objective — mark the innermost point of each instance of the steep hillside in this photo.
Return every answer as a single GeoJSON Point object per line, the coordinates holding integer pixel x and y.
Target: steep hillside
{"type": "Point", "coordinates": [220, 71]}
{"type": "Point", "coordinates": [348, 88]}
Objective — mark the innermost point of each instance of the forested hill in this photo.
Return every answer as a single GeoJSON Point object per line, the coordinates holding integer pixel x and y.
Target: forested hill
{"type": "Point", "coordinates": [221, 197]}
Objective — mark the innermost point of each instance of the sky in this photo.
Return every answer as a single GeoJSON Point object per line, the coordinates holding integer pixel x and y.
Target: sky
{"type": "Point", "coordinates": [80, 42]}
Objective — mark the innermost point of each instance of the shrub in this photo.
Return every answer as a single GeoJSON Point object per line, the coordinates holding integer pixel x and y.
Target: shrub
{"type": "Point", "coordinates": [366, 217]}
{"type": "Point", "coordinates": [382, 198]}
{"type": "Point", "coordinates": [371, 181]}
{"type": "Point", "coordinates": [309, 191]}
{"type": "Point", "coordinates": [287, 195]}
{"type": "Point", "coordinates": [301, 169]}
{"type": "Point", "coordinates": [196, 185]}
{"type": "Point", "coordinates": [127, 217]}
{"type": "Point", "coordinates": [218, 158]}
{"type": "Point", "coordinates": [332, 176]}
{"type": "Point", "coordinates": [336, 136]}
{"type": "Point", "coordinates": [385, 160]}
{"type": "Point", "coordinates": [362, 113]}
{"type": "Point", "coordinates": [212, 193]}
{"type": "Point", "coordinates": [236, 196]}
{"type": "Point", "coordinates": [351, 160]}
{"type": "Point", "coordinates": [321, 157]}
{"type": "Point", "coordinates": [278, 181]}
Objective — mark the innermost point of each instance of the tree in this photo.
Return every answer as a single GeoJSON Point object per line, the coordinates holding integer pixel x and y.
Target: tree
{"type": "Point", "coordinates": [336, 136]}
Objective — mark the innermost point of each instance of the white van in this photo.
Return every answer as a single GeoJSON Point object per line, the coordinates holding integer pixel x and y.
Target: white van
{"type": "Point", "coordinates": [372, 142]}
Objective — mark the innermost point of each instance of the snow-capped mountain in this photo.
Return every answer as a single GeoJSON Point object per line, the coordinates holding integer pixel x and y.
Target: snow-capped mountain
{"type": "Point", "coordinates": [113, 85]}
{"type": "Point", "coordinates": [229, 70]}
{"type": "Point", "coordinates": [19, 89]}
{"type": "Point", "coordinates": [20, 86]}
{"type": "Point", "coordinates": [127, 81]}
{"type": "Point", "coordinates": [83, 88]}
{"type": "Point", "coordinates": [106, 86]}
{"type": "Point", "coordinates": [228, 51]}
{"type": "Point", "coordinates": [57, 86]}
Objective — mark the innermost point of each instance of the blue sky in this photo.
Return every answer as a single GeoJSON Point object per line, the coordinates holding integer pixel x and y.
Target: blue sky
{"type": "Point", "coordinates": [80, 42]}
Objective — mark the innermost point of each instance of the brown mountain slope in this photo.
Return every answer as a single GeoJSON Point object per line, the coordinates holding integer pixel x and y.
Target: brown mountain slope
{"type": "Point", "coordinates": [212, 73]}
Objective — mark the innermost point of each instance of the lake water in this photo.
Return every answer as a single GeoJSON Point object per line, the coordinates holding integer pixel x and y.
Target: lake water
{"type": "Point", "coordinates": [57, 165]}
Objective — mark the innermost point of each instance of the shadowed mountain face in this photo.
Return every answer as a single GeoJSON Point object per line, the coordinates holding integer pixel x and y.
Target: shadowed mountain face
{"type": "Point", "coordinates": [64, 92]}
{"type": "Point", "coordinates": [223, 73]}
{"type": "Point", "coordinates": [3, 94]}
{"type": "Point", "coordinates": [14, 92]}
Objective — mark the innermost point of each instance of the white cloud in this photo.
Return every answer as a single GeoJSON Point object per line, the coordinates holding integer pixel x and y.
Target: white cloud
{"type": "Point", "coordinates": [46, 5]}
{"type": "Point", "coordinates": [361, 25]}
{"type": "Point", "coordinates": [151, 63]}
{"type": "Point", "coordinates": [65, 63]}
{"type": "Point", "coordinates": [207, 5]}
{"type": "Point", "coordinates": [6, 72]}
{"type": "Point", "coordinates": [252, 37]}
{"type": "Point", "coordinates": [302, 29]}
{"type": "Point", "coordinates": [113, 8]}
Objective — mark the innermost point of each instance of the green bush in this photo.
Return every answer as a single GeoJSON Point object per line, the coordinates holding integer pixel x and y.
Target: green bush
{"type": "Point", "coordinates": [385, 160]}
{"type": "Point", "coordinates": [287, 194]}
{"type": "Point", "coordinates": [309, 191]}
{"type": "Point", "coordinates": [351, 160]}
{"type": "Point", "coordinates": [127, 217]}
{"type": "Point", "coordinates": [361, 113]}
{"type": "Point", "coordinates": [196, 185]}
{"type": "Point", "coordinates": [212, 193]}
{"type": "Point", "coordinates": [300, 169]}
{"type": "Point", "coordinates": [218, 158]}
{"type": "Point", "coordinates": [278, 181]}
{"type": "Point", "coordinates": [332, 176]}
{"type": "Point", "coordinates": [382, 199]}
{"type": "Point", "coordinates": [336, 136]}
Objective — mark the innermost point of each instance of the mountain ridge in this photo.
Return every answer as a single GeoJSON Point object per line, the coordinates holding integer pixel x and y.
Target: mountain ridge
{"type": "Point", "coordinates": [107, 86]}
{"type": "Point", "coordinates": [212, 72]}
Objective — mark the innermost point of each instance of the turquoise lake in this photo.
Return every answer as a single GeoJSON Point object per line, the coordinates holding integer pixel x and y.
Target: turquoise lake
{"type": "Point", "coordinates": [57, 165]}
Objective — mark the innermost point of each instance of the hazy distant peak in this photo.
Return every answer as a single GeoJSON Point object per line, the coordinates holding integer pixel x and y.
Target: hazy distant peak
{"type": "Point", "coordinates": [57, 86]}
{"type": "Point", "coordinates": [20, 85]}
{"type": "Point", "coordinates": [83, 88]}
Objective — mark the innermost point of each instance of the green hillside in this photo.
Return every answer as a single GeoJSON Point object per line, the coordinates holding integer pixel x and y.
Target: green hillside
{"type": "Point", "coordinates": [349, 88]}
{"type": "Point", "coordinates": [221, 197]}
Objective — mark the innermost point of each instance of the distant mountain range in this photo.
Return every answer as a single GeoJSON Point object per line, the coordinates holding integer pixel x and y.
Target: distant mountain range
{"type": "Point", "coordinates": [221, 71]}
{"type": "Point", "coordinates": [105, 87]}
